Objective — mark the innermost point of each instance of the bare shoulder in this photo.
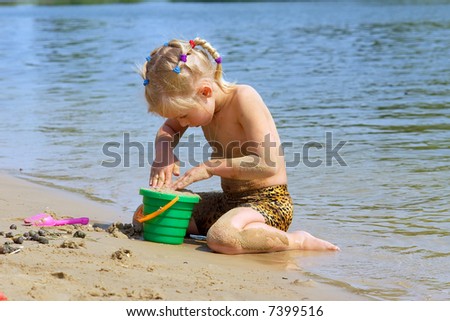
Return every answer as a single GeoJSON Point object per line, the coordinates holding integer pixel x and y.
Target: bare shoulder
{"type": "Point", "coordinates": [244, 92]}
{"type": "Point", "coordinates": [248, 98]}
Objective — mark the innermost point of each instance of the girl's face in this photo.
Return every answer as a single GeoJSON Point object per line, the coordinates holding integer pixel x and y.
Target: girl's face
{"type": "Point", "coordinates": [196, 116]}
{"type": "Point", "coordinates": [202, 112]}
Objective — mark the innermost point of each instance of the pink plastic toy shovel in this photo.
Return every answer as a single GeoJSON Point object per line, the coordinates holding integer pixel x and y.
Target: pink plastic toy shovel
{"type": "Point", "coordinates": [44, 219]}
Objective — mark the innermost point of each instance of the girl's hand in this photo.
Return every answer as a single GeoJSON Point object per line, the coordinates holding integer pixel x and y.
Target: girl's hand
{"type": "Point", "coordinates": [193, 175]}
{"type": "Point", "coordinates": [161, 174]}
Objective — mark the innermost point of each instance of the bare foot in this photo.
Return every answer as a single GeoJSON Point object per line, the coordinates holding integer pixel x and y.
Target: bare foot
{"type": "Point", "coordinates": [306, 241]}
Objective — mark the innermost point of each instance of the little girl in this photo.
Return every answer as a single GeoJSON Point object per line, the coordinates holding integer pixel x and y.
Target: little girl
{"type": "Point", "coordinates": [183, 83]}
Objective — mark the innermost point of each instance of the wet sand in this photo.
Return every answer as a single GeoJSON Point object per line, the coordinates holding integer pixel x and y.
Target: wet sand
{"type": "Point", "coordinates": [109, 265]}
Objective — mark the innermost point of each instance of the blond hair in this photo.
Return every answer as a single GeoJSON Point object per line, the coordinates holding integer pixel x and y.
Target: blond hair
{"type": "Point", "coordinates": [171, 79]}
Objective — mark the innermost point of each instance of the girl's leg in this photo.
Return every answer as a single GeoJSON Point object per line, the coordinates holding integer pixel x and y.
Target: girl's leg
{"type": "Point", "coordinates": [243, 230]}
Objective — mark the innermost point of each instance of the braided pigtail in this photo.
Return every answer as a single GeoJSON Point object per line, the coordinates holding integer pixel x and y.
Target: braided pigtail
{"type": "Point", "coordinates": [213, 52]}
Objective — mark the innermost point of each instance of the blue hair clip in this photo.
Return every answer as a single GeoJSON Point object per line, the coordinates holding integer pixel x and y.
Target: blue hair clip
{"type": "Point", "coordinates": [146, 82]}
{"type": "Point", "coordinates": [176, 69]}
{"type": "Point", "coordinates": [148, 58]}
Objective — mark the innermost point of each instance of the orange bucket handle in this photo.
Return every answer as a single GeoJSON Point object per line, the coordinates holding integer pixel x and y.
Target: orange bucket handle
{"type": "Point", "coordinates": [158, 211]}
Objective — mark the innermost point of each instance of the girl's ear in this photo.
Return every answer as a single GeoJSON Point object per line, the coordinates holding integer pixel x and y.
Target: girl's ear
{"type": "Point", "coordinates": [205, 90]}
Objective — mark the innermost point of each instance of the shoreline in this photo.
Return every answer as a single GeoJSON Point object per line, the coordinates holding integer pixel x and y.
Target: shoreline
{"type": "Point", "coordinates": [112, 266]}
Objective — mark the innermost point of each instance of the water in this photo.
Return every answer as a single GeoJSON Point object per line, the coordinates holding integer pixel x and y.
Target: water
{"type": "Point", "coordinates": [373, 75]}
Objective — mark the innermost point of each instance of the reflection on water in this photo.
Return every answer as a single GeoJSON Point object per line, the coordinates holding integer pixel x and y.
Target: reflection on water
{"type": "Point", "coordinates": [65, 2]}
{"type": "Point", "coordinates": [374, 76]}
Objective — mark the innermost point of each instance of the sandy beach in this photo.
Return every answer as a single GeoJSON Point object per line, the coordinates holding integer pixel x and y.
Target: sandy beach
{"type": "Point", "coordinates": [109, 265]}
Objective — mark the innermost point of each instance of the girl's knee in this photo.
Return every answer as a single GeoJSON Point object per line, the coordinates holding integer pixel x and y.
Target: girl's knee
{"type": "Point", "coordinates": [228, 234]}
{"type": "Point", "coordinates": [223, 240]}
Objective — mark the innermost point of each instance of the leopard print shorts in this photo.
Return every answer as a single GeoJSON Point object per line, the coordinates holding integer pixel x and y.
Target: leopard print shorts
{"type": "Point", "coordinates": [273, 202]}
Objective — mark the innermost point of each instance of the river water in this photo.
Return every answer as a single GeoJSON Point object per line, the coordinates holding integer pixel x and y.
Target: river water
{"type": "Point", "coordinates": [360, 93]}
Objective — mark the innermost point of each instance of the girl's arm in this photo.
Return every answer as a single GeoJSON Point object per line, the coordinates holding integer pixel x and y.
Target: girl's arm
{"type": "Point", "coordinates": [165, 162]}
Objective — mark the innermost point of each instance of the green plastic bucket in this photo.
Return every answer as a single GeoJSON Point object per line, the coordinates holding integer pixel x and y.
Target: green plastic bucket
{"type": "Point", "coordinates": [170, 226]}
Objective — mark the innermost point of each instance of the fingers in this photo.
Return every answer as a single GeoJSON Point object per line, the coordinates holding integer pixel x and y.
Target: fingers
{"type": "Point", "coordinates": [162, 171]}
{"type": "Point", "coordinates": [179, 184]}
{"type": "Point", "coordinates": [163, 176]}
{"type": "Point", "coordinates": [183, 181]}
{"type": "Point", "coordinates": [167, 180]}
{"type": "Point", "coordinates": [153, 182]}
{"type": "Point", "coordinates": [176, 169]}
{"type": "Point", "coordinates": [193, 175]}
{"type": "Point", "coordinates": [158, 180]}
